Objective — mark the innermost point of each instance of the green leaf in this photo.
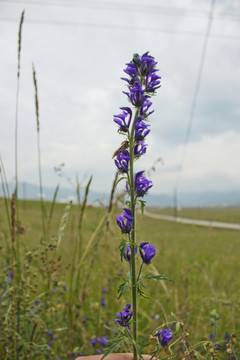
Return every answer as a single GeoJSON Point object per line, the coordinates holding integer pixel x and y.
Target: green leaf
{"type": "Point", "coordinates": [122, 288]}
{"type": "Point", "coordinates": [122, 178]}
{"type": "Point", "coordinates": [114, 347]}
{"type": "Point", "coordinates": [143, 204]}
{"type": "Point", "coordinates": [177, 326]}
{"type": "Point", "coordinates": [122, 247]}
{"type": "Point", "coordinates": [157, 277]}
{"type": "Point", "coordinates": [141, 292]}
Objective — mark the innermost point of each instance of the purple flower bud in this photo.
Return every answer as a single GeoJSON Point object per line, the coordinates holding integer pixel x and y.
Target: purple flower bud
{"type": "Point", "coordinates": [147, 64]}
{"type": "Point", "coordinates": [164, 336]}
{"type": "Point", "coordinates": [147, 252]}
{"type": "Point", "coordinates": [141, 184]}
{"type": "Point", "coordinates": [122, 161]}
{"type": "Point", "coordinates": [124, 316]}
{"type": "Point", "coordinates": [127, 253]}
{"type": "Point", "coordinates": [124, 221]}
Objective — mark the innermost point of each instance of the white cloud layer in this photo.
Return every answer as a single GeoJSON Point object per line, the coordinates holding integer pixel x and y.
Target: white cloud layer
{"type": "Point", "coordinates": [79, 53]}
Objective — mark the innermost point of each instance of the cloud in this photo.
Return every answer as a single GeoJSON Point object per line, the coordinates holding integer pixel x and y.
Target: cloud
{"type": "Point", "coordinates": [78, 72]}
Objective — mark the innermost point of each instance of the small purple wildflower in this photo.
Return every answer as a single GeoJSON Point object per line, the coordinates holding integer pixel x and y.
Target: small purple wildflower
{"type": "Point", "coordinates": [147, 252]}
{"type": "Point", "coordinates": [104, 340]}
{"type": "Point", "coordinates": [136, 95]}
{"type": "Point", "coordinates": [140, 149]}
{"type": "Point", "coordinates": [123, 119]}
{"type": "Point", "coordinates": [123, 317]}
{"type": "Point", "coordinates": [103, 302]}
{"type": "Point", "coordinates": [127, 253]}
{"type": "Point", "coordinates": [155, 317]}
{"type": "Point", "coordinates": [50, 343]}
{"type": "Point", "coordinates": [141, 184]}
{"type": "Point", "coordinates": [93, 342]}
{"type": "Point", "coordinates": [124, 221]}
{"type": "Point", "coordinates": [122, 161]}
{"type": "Point", "coordinates": [145, 106]}
{"type": "Point", "coordinates": [37, 302]}
{"type": "Point", "coordinates": [10, 275]}
{"type": "Point", "coordinates": [141, 129]}
{"type": "Point", "coordinates": [65, 287]}
{"type": "Point", "coordinates": [164, 336]}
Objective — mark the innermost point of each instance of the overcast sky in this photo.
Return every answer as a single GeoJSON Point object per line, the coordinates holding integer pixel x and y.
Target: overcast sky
{"type": "Point", "coordinates": [79, 50]}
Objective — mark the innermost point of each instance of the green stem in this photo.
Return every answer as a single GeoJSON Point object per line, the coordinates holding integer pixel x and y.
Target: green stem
{"type": "Point", "coordinates": [132, 235]}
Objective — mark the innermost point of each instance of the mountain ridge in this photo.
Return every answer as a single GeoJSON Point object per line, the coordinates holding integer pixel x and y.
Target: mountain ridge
{"type": "Point", "coordinates": [184, 199]}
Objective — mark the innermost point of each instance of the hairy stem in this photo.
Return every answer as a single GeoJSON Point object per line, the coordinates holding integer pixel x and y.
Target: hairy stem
{"type": "Point", "coordinates": [132, 236]}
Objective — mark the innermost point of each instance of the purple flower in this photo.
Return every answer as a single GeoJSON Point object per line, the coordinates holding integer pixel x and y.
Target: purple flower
{"type": "Point", "coordinates": [153, 82]}
{"type": "Point", "coordinates": [141, 184]}
{"type": "Point", "coordinates": [103, 302]}
{"type": "Point", "coordinates": [123, 317]}
{"type": "Point", "coordinates": [145, 106]}
{"type": "Point", "coordinates": [93, 342]}
{"type": "Point", "coordinates": [104, 340]}
{"type": "Point", "coordinates": [64, 287]}
{"type": "Point", "coordinates": [164, 336]}
{"type": "Point", "coordinates": [124, 221]}
{"type": "Point", "coordinates": [148, 64]}
{"type": "Point", "coordinates": [123, 119]}
{"type": "Point", "coordinates": [10, 275]}
{"type": "Point", "coordinates": [127, 253]}
{"type": "Point", "coordinates": [147, 252]}
{"type": "Point", "coordinates": [136, 94]}
{"type": "Point", "coordinates": [131, 70]}
{"type": "Point", "coordinates": [141, 129]}
{"type": "Point", "coordinates": [140, 149]}
{"type": "Point", "coordinates": [122, 161]}
{"type": "Point", "coordinates": [37, 302]}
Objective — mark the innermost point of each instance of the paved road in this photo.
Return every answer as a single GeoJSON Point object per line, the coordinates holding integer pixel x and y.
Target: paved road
{"type": "Point", "coordinates": [215, 224]}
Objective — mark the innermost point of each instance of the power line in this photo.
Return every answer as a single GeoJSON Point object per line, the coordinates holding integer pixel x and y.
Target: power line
{"type": "Point", "coordinates": [130, 7]}
{"type": "Point", "coordinates": [195, 94]}
{"type": "Point", "coordinates": [119, 27]}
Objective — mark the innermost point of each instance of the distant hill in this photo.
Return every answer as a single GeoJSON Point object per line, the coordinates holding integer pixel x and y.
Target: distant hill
{"type": "Point", "coordinates": [191, 199]}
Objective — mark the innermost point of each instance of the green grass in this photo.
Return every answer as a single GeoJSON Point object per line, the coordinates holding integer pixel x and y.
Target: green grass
{"type": "Point", "coordinates": [203, 262]}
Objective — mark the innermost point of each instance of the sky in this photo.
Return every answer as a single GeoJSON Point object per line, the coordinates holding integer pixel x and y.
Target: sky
{"type": "Point", "coordinates": [79, 50]}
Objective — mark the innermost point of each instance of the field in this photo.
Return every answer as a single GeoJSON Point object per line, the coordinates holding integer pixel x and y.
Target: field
{"type": "Point", "coordinates": [69, 278]}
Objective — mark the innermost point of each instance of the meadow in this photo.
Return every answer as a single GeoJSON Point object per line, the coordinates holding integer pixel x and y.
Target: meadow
{"type": "Point", "coordinates": [61, 271]}
{"type": "Point", "coordinates": [66, 291]}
